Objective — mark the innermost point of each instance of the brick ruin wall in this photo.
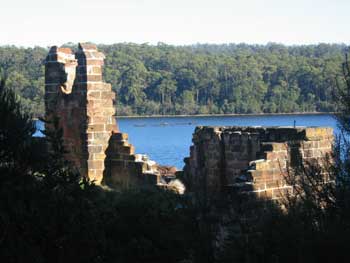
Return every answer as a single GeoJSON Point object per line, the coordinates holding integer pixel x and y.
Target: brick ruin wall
{"type": "Point", "coordinates": [253, 159]}
{"type": "Point", "coordinates": [75, 92]}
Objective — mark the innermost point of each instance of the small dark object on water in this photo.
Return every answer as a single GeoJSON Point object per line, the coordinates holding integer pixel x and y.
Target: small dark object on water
{"type": "Point", "coordinates": [294, 123]}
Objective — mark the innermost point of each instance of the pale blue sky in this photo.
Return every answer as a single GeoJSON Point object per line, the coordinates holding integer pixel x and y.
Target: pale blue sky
{"type": "Point", "coordinates": [45, 22]}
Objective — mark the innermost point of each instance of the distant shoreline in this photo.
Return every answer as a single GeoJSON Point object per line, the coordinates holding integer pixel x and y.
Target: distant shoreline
{"type": "Point", "coordinates": [223, 115]}
{"type": "Point", "coordinates": [218, 115]}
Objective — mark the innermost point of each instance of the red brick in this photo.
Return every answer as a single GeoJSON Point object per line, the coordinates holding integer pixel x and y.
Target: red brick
{"type": "Point", "coordinates": [95, 62]}
{"type": "Point", "coordinates": [95, 149]}
{"type": "Point", "coordinates": [65, 50]}
{"type": "Point", "coordinates": [111, 127]}
{"type": "Point", "coordinates": [108, 95]}
{"type": "Point", "coordinates": [96, 128]}
{"type": "Point", "coordinates": [94, 94]}
{"type": "Point", "coordinates": [96, 70]}
{"type": "Point", "coordinates": [92, 164]}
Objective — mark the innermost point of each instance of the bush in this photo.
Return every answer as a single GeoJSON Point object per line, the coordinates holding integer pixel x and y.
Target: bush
{"type": "Point", "coordinates": [49, 213]}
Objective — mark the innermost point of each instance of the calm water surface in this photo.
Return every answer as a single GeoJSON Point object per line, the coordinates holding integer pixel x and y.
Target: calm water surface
{"type": "Point", "coordinates": [167, 140]}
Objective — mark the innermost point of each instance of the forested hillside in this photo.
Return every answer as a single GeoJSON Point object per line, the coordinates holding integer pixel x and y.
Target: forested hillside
{"type": "Point", "coordinates": [198, 79]}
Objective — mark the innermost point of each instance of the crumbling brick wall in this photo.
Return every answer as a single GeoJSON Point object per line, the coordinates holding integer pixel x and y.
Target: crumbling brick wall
{"type": "Point", "coordinates": [76, 94]}
{"type": "Point", "coordinates": [253, 159]}
{"type": "Point", "coordinates": [66, 103]}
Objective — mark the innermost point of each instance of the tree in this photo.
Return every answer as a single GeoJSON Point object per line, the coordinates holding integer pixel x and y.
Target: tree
{"type": "Point", "coordinates": [15, 126]}
{"type": "Point", "coordinates": [251, 78]}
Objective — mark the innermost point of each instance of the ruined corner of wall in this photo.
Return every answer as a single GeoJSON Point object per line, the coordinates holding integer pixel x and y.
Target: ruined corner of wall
{"type": "Point", "coordinates": [253, 160]}
{"type": "Point", "coordinates": [76, 93]}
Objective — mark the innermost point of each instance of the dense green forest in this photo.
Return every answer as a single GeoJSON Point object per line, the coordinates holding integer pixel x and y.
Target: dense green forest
{"type": "Point", "coordinates": [198, 79]}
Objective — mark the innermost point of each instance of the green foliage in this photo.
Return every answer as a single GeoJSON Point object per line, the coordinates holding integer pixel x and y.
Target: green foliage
{"type": "Point", "coordinates": [48, 213]}
{"type": "Point", "coordinates": [223, 78]}
{"type": "Point", "coordinates": [15, 126]}
{"type": "Point", "coordinates": [344, 98]}
{"type": "Point", "coordinates": [165, 79]}
{"type": "Point", "coordinates": [25, 75]}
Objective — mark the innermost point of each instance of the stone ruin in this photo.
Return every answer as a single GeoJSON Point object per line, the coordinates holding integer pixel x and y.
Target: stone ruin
{"type": "Point", "coordinates": [76, 94]}
{"type": "Point", "coordinates": [253, 159]}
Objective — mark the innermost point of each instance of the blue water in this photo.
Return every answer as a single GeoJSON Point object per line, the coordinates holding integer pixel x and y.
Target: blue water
{"type": "Point", "coordinates": [167, 140]}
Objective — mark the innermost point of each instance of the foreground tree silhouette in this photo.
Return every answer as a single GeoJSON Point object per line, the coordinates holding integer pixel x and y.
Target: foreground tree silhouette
{"type": "Point", "coordinates": [16, 131]}
{"type": "Point", "coordinates": [48, 213]}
